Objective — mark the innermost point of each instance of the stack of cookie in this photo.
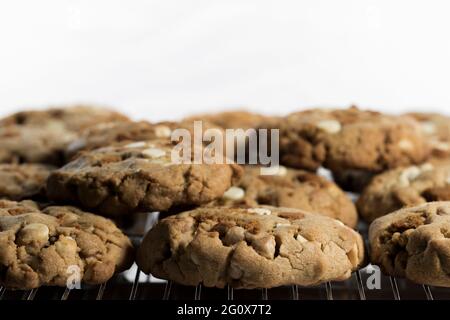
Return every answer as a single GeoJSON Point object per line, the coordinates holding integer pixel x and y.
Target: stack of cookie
{"type": "Point", "coordinates": [67, 174]}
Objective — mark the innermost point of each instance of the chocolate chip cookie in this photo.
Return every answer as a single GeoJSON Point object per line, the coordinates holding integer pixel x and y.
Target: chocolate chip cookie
{"type": "Point", "coordinates": [437, 128]}
{"type": "Point", "coordinates": [23, 181]}
{"type": "Point", "coordinates": [73, 118]}
{"type": "Point", "coordinates": [350, 139]}
{"type": "Point", "coordinates": [414, 243]}
{"type": "Point", "coordinates": [408, 186]}
{"type": "Point", "coordinates": [140, 176]}
{"type": "Point", "coordinates": [260, 247]}
{"type": "Point", "coordinates": [55, 245]}
{"type": "Point", "coordinates": [291, 188]}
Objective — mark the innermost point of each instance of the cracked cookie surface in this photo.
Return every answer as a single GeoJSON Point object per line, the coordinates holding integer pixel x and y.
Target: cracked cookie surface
{"type": "Point", "coordinates": [414, 243]}
{"type": "Point", "coordinates": [291, 188]}
{"type": "Point", "coordinates": [23, 181]}
{"type": "Point", "coordinates": [44, 247]}
{"type": "Point", "coordinates": [349, 139]}
{"type": "Point", "coordinates": [403, 187]}
{"type": "Point", "coordinates": [139, 176]}
{"type": "Point", "coordinates": [260, 247]}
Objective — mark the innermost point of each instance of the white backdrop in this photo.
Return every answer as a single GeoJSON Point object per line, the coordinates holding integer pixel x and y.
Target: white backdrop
{"type": "Point", "coordinates": [164, 59]}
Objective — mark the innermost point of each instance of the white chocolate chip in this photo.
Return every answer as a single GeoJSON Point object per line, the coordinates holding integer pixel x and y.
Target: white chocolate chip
{"type": "Point", "coordinates": [66, 246]}
{"type": "Point", "coordinates": [162, 161]}
{"type": "Point", "coordinates": [282, 225]}
{"type": "Point", "coordinates": [153, 153]}
{"type": "Point", "coordinates": [441, 146]}
{"type": "Point", "coordinates": [448, 180]}
{"type": "Point", "coordinates": [76, 145]}
{"type": "Point", "coordinates": [405, 144]}
{"type": "Point", "coordinates": [426, 167]}
{"type": "Point", "coordinates": [428, 127]}
{"type": "Point", "coordinates": [163, 131]}
{"type": "Point", "coordinates": [408, 175]}
{"type": "Point", "coordinates": [234, 235]}
{"type": "Point", "coordinates": [260, 211]}
{"type": "Point", "coordinates": [139, 144]}
{"type": "Point", "coordinates": [34, 232]}
{"type": "Point", "coordinates": [234, 194]}
{"type": "Point", "coordinates": [274, 171]}
{"type": "Point", "coordinates": [301, 239]}
{"type": "Point", "coordinates": [330, 126]}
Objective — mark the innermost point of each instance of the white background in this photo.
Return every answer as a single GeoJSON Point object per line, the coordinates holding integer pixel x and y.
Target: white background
{"type": "Point", "coordinates": [165, 59]}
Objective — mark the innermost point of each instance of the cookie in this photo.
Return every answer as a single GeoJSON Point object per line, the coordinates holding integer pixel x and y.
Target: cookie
{"type": "Point", "coordinates": [34, 144]}
{"type": "Point", "coordinates": [23, 181]}
{"type": "Point", "coordinates": [414, 243]}
{"type": "Point", "coordinates": [237, 119]}
{"type": "Point", "coordinates": [292, 189]}
{"type": "Point", "coordinates": [349, 139]}
{"type": "Point", "coordinates": [122, 132]}
{"type": "Point", "coordinates": [139, 176]}
{"type": "Point", "coordinates": [260, 247]}
{"type": "Point", "coordinates": [46, 248]}
{"type": "Point", "coordinates": [437, 128]}
{"type": "Point", "coordinates": [118, 132]}
{"type": "Point", "coordinates": [73, 118]}
{"type": "Point", "coordinates": [403, 187]}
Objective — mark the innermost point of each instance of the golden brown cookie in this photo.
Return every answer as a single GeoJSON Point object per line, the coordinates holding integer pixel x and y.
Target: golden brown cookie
{"type": "Point", "coordinates": [23, 181]}
{"type": "Point", "coordinates": [350, 139]}
{"type": "Point", "coordinates": [44, 248]}
{"type": "Point", "coordinates": [139, 176]}
{"type": "Point", "coordinates": [291, 188]}
{"type": "Point", "coordinates": [260, 247]}
{"type": "Point", "coordinates": [414, 243]}
{"type": "Point", "coordinates": [406, 186]}
{"type": "Point", "coordinates": [437, 128]}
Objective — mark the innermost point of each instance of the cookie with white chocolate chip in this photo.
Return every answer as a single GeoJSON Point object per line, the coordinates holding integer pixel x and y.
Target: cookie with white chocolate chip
{"type": "Point", "coordinates": [23, 181]}
{"type": "Point", "coordinates": [104, 135]}
{"type": "Point", "coordinates": [260, 247]}
{"type": "Point", "coordinates": [414, 243]}
{"type": "Point", "coordinates": [437, 128]}
{"type": "Point", "coordinates": [350, 139]}
{"type": "Point", "coordinates": [140, 176]}
{"type": "Point", "coordinates": [292, 189]}
{"type": "Point", "coordinates": [406, 186]}
{"type": "Point", "coordinates": [46, 247]}
{"type": "Point", "coordinates": [72, 118]}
